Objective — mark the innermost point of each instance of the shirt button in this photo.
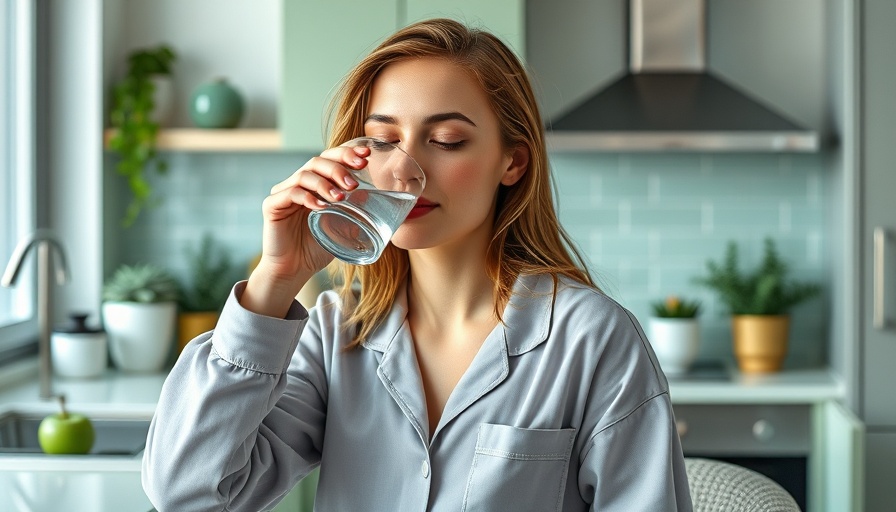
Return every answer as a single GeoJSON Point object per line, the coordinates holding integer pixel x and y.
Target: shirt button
{"type": "Point", "coordinates": [425, 469]}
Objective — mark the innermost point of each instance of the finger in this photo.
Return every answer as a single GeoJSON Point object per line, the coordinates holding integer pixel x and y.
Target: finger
{"type": "Point", "coordinates": [280, 206]}
{"type": "Point", "coordinates": [338, 176]}
{"type": "Point", "coordinates": [346, 153]}
{"type": "Point", "coordinates": [306, 198]}
{"type": "Point", "coordinates": [287, 202]}
{"type": "Point", "coordinates": [348, 158]}
{"type": "Point", "coordinates": [315, 165]}
{"type": "Point", "coordinates": [322, 187]}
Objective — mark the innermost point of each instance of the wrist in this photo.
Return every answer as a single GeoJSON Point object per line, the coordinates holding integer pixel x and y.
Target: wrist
{"type": "Point", "coordinates": [271, 295]}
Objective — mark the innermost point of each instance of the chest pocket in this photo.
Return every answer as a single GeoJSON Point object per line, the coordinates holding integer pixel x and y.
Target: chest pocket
{"type": "Point", "coordinates": [518, 469]}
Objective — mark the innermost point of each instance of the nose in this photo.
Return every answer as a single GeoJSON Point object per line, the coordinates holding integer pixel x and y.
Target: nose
{"type": "Point", "coordinates": [404, 170]}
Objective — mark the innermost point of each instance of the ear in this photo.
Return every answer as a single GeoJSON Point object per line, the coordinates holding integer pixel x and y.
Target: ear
{"type": "Point", "coordinates": [519, 164]}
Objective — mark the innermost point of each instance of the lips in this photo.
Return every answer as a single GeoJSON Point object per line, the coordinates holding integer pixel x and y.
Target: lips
{"type": "Point", "coordinates": [422, 207]}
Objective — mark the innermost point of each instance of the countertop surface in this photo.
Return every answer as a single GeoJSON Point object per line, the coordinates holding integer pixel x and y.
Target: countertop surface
{"type": "Point", "coordinates": [95, 484]}
{"type": "Point", "coordinates": [93, 491]}
{"type": "Point", "coordinates": [726, 385]}
{"type": "Point", "coordinates": [36, 484]}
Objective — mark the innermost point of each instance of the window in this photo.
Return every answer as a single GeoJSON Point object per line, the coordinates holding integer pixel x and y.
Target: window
{"type": "Point", "coordinates": [18, 326]}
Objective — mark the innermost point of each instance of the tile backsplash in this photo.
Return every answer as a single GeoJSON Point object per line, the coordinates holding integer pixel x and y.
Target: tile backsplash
{"type": "Point", "coordinates": [646, 223]}
{"type": "Point", "coordinates": [649, 222]}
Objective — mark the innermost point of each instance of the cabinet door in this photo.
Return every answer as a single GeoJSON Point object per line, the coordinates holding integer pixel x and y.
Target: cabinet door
{"type": "Point", "coordinates": [322, 40]}
{"type": "Point", "coordinates": [504, 18]}
{"type": "Point", "coordinates": [837, 462]}
{"type": "Point", "coordinates": [878, 174]}
{"type": "Point", "coordinates": [878, 169]}
{"type": "Point", "coordinates": [880, 472]}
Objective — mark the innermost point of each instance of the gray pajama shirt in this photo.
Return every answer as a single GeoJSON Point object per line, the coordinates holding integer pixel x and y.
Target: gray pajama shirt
{"type": "Point", "coordinates": [564, 408]}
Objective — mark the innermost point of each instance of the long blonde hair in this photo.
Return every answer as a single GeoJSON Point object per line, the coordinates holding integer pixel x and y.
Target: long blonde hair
{"type": "Point", "coordinates": [527, 236]}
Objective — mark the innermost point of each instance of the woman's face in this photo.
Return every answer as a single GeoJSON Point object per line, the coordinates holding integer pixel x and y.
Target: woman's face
{"type": "Point", "coordinates": [438, 113]}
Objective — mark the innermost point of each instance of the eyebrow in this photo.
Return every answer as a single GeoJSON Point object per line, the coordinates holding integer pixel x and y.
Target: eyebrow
{"type": "Point", "coordinates": [435, 118]}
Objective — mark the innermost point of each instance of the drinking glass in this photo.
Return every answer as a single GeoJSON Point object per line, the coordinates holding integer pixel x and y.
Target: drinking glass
{"type": "Point", "coordinates": [357, 229]}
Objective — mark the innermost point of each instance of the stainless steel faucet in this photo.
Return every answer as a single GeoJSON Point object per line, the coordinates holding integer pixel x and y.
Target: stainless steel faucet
{"type": "Point", "coordinates": [44, 240]}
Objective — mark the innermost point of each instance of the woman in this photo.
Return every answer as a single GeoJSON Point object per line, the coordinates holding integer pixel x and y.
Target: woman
{"type": "Point", "coordinates": [479, 369]}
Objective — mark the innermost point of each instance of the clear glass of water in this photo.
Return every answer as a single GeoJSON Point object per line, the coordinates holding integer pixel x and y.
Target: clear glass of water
{"type": "Point", "coordinates": [357, 229]}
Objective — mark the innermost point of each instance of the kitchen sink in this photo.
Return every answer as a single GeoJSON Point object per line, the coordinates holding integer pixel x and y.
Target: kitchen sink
{"type": "Point", "coordinates": [115, 436]}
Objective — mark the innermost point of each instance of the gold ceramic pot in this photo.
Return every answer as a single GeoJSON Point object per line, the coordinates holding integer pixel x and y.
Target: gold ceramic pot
{"type": "Point", "coordinates": [190, 325]}
{"type": "Point", "coordinates": [760, 342]}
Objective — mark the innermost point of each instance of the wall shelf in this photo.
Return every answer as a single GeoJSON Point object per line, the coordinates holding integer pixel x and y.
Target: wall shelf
{"type": "Point", "coordinates": [200, 139]}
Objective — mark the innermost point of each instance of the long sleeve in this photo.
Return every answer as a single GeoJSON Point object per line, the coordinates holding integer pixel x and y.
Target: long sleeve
{"type": "Point", "coordinates": [630, 457]}
{"type": "Point", "coordinates": [636, 463]}
{"type": "Point", "coordinates": [227, 434]}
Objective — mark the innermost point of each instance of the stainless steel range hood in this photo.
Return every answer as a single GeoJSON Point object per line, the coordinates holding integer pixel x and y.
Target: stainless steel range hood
{"type": "Point", "coordinates": [669, 100]}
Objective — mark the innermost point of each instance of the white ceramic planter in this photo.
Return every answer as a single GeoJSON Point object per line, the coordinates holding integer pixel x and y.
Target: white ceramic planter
{"type": "Point", "coordinates": [675, 342]}
{"type": "Point", "coordinates": [140, 335]}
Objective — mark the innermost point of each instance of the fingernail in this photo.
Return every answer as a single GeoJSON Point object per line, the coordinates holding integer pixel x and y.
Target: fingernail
{"type": "Point", "coordinates": [357, 161]}
{"type": "Point", "coordinates": [336, 193]}
{"type": "Point", "coordinates": [349, 181]}
{"type": "Point", "coordinates": [321, 203]}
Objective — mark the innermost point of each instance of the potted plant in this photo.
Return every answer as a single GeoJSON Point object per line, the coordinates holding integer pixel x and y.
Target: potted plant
{"type": "Point", "coordinates": [674, 333]}
{"type": "Point", "coordinates": [139, 313]}
{"type": "Point", "coordinates": [211, 276]}
{"type": "Point", "coordinates": [134, 137]}
{"type": "Point", "coordinates": [759, 303]}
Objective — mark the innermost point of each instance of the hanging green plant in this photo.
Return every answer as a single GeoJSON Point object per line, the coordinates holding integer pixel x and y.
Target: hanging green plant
{"type": "Point", "coordinates": [134, 137]}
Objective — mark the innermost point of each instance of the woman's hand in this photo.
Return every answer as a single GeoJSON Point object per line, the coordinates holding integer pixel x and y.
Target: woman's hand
{"type": "Point", "coordinates": [290, 256]}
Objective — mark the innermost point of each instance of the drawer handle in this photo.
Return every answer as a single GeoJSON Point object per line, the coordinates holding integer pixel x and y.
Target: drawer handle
{"type": "Point", "coordinates": [682, 427]}
{"type": "Point", "coordinates": [763, 431]}
{"type": "Point", "coordinates": [879, 315]}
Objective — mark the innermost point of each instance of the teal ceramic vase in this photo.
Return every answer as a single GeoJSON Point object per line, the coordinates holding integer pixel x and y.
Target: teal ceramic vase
{"type": "Point", "coordinates": [216, 104]}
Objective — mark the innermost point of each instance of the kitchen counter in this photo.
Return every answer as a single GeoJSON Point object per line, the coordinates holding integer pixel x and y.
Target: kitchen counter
{"type": "Point", "coordinates": [51, 491]}
{"type": "Point", "coordinates": [99, 485]}
{"type": "Point", "coordinates": [729, 386]}
{"type": "Point", "coordinates": [114, 395]}
{"type": "Point", "coordinates": [137, 393]}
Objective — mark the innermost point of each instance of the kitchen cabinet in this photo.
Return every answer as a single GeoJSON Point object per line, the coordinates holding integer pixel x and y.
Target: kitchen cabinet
{"type": "Point", "coordinates": [836, 464]}
{"type": "Point", "coordinates": [322, 40]}
{"type": "Point", "coordinates": [505, 18]}
{"type": "Point", "coordinates": [790, 426]}
{"type": "Point", "coordinates": [773, 439]}
{"type": "Point", "coordinates": [877, 253]}
{"type": "Point", "coordinates": [880, 471]}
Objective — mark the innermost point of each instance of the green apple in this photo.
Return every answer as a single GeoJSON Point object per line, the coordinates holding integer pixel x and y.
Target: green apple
{"type": "Point", "coordinates": [65, 432]}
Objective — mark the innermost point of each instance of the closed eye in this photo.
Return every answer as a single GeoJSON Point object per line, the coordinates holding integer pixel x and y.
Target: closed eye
{"type": "Point", "coordinates": [381, 145]}
{"type": "Point", "coordinates": [448, 145]}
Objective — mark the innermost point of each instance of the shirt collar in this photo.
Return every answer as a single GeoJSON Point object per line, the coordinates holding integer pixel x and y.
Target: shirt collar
{"type": "Point", "coordinates": [527, 318]}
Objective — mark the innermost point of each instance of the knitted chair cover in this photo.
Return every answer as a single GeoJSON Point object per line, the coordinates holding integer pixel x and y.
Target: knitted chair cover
{"type": "Point", "coordinates": [722, 487]}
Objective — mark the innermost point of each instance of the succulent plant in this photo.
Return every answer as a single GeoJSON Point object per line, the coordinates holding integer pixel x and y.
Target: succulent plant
{"type": "Point", "coordinates": [141, 283]}
{"type": "Point", "coordinates": [676, 307]}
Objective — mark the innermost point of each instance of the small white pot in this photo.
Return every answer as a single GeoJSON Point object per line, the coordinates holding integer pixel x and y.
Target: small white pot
{"type": "Point", "coordinates": [675, 342]}
{"type": "Point", "coordinates": [77, 350]}
{"type": "Point", "coordinates": [140, 335]}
